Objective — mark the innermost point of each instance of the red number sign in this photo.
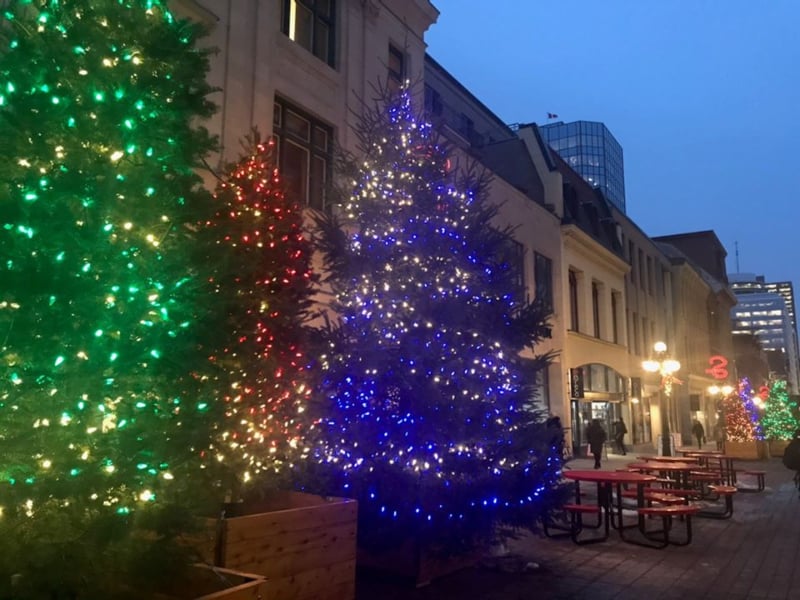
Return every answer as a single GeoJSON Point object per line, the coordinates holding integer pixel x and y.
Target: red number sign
{"type": "Point", "coordinates": [717, 369]}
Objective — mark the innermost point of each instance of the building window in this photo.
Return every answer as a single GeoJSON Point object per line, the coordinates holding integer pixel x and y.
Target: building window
{"type": "Point", "coordinates": [615, 317]}
{"type": "Point", "coordinates": [538, 376]}
{"type": "Point", "coordinates": [596, 308]}
{"type": "Point", "coordinates": [433, 102]}
{"type": "Point", "coordinates": [645, 335]}
{"type": "Point", "coordinates": [631, 255]}
{"type": "Point", "coordinates": [513, 255]}
{"type": "Point", "coordinates": [642, 275]}
{"type": "Point", "coordinates": [543, 276]}
{"type": "Point", "coordinates": [635, 322]}
{"type": "Point", "coordinates": [304, 150]}
{"type": "Point", "coordinates": [628, 330]}
{"type": "Point", "coordinates": [397, 69]}
{"type": "Point", "coordinates": [574, 323]}
{"type": "Point", "coordinates": [310, 23]}
{"type": "Point", "coordinates": [650, 275]}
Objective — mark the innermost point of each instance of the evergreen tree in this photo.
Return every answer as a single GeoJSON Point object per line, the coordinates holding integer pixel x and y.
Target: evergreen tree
{"type": "Point", "coordinates": [741, 414]}
{"type": "Point", "coordinates": [103, 411]}
{"type": "Point", "coordinates": [429, 419]}
{"type": "Point", "coordinates": [779, 422]}
{"type": "Point", "coordinates": [264, 289]}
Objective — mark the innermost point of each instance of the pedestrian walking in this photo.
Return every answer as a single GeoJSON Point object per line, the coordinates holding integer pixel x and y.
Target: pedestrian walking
{"type": "Point", "coordinates": [619, 435]}
{"type": "Point", "coordinates": [596, 436]}
{"type": "Point", "coordinates": [699, 433]}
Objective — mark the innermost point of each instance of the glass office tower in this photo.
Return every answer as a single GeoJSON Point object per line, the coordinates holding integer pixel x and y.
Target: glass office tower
{"type": "Point", "coordinates": [590, 149]}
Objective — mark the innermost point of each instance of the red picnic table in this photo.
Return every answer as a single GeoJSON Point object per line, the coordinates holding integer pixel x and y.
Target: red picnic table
{"type": "Point", "coordinates": [609, 507]}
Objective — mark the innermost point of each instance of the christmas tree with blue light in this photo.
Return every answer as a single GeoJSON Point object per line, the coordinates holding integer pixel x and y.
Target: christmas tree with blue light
{"type": "Point", "coordinates": [105, 414]}
{"type": "Point", "coordinates": [427, 413]}
{"type": "Point", "coordinates": [741, 414]}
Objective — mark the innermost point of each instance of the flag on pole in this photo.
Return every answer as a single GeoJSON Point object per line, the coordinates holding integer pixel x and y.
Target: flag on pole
{"type": "Point", "coordinates": [552, 115]}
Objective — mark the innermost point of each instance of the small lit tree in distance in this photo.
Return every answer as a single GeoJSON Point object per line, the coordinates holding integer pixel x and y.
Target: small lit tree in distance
{"type": "Point", "coordinates": [263, 291]}
{"type": "Point", "coordinates": [103, 412]}
{"type": "Point", "coordinates": [427, 417]}
{"type": "Point", "coordinates": [779, 422]}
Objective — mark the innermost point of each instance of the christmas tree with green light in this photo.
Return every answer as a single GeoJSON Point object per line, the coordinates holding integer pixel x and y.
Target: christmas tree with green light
{"type": "Point", "coordinates": [429, 417]}
{"type": "Point", "coordinates": [263, 289]}
{"type": "Point", "coordinates": [779, 422]}
{"type": "Point", "coordinates": [104, 411]}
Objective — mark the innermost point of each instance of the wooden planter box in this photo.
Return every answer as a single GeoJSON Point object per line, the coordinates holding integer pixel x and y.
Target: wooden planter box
{"type": "Point", "coordinates": [754, 450]}
{"type": "Point", "coordinates": [304, 545]}
{"type": "Point", "coordinates": [210, 583]}
{"type": "Point", "coordinates": [777, 447]}
{"type": "Point", "coordinates": [412, 561]}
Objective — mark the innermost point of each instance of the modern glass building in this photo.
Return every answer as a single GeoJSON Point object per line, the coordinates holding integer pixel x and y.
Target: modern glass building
{"type": "Point", "coordinates": [767, 310]}
{"type": "Point", "coordinates": [590, 149]}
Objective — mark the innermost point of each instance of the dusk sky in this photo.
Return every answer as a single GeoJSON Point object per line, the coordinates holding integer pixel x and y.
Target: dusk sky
{"type": "Point", "coordinates": [702, 95]}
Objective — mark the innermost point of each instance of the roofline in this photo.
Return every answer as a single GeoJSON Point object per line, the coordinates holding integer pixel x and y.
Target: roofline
{"type": "Point", "coordinates": [472, 97]}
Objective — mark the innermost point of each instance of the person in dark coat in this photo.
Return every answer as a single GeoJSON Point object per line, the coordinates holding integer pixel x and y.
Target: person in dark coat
{"type": "Point", "coordinates": [699, 433]}
{"type": "Point", "coordinates": [596, 436]}
{"type": "Point", "coordinates": [619, 435]}
{"type": "Point", "coordinates": [791, 458]}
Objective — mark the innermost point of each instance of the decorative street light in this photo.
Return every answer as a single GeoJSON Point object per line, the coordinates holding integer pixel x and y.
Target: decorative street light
{"type": "Point", "coordinates": [724, 390]}
{"type": "Point", "coordinates": [666, 367]}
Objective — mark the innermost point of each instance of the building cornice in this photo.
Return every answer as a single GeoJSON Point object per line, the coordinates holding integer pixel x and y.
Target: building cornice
{"type": "Point", "coordinates": [579, 241]}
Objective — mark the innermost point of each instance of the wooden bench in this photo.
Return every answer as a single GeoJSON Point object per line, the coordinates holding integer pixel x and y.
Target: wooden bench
{"type": "Point", "coordinates": [761, 483]}
{"type": "Point", "coordinates": [661, 537]}
{"type": "Point", "coordinates": [721, 491]}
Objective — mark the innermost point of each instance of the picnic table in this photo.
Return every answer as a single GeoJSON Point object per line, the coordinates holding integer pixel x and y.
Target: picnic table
{"type": "Point", "coordinates": [609, 507]}
{"type": "Point", "coordinates": [678, 471]}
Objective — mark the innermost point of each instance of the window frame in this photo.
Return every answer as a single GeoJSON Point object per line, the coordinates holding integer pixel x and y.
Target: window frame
{"type": "Point", "coordinates": [284, 136]}
{"type": "Point", "coordinates": [396, 79]}
{"type": "Point", "coordinates": [574, 296]}
{"type": "Point", "coordinates": [543, 280]}
{"type": "Point", "coordinates": [318, 19]}
{"type": "Point", "coordinates": [513, 253]}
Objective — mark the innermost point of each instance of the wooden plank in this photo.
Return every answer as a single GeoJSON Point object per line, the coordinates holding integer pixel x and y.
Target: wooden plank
{"type": "Point", "coordinates": [214, 583]}
{"type": "Point", "coordinates": [335, 582]}
{"type": "Point", "coordinates": [306, 547]}
{"type": "Point", "coordinates": [285, 521]}
{"type": "Point", "coordinates": [246, 591]}
{"type": "Point", "coordinates": [272, 557]}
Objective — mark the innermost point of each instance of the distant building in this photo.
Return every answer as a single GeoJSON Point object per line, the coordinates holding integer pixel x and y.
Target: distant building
{"type": "Point", "coordinates": [590, 149]}
{"type": "Point", "coordinates": [746, 283]}
{"type": "Point", "coordinates": [767, 311]}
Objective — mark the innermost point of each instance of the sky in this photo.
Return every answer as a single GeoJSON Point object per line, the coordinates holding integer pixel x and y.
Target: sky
{"type": "Point", "coordinates": [703, 96]}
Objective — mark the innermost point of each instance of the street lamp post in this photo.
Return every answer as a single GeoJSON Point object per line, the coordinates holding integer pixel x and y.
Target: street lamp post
{"type": "Point", "coordinates": [666, 367]}
{"type": "Point", "coordinates": [720, 392]}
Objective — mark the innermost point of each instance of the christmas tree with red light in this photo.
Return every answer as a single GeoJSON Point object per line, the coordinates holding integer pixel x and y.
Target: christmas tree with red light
{"type": "Point", "coordinates": [741, 414]}
{"type": "Point", "coordinates": [429, 418]}
{"type": "Point", "coordinates": [104, 411]}
{"type": "Point", "coordinates": [779, 422]}
{"type": "Point", "coordinates": [264, 290]}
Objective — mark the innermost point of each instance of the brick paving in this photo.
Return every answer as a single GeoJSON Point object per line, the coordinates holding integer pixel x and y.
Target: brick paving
{"type": "Point", "coordinates": [753, 555]}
